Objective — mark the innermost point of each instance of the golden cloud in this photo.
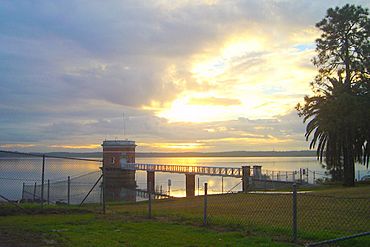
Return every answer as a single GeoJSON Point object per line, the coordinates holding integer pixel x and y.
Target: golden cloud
{"type": "Point", "coordinates": [87, 146]}
{"type": "Point", "coordinates": [214, 101]}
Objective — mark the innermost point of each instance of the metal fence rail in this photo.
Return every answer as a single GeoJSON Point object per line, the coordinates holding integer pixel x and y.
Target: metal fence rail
{"type": "Point", "coordinates": [311, 218]}
{"type": "Point", "coordinates": [301, 217]}
{"type": "Point", "coordinates": [40, 178]}
{"type": "Point", "coordinates": [199, 170]}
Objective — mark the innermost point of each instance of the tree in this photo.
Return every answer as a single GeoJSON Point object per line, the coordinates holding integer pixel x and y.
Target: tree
{"type": "Point", "coordinates": [338, 113]}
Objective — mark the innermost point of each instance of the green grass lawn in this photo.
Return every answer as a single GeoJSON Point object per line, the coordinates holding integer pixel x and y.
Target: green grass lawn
{"type": "Point", "coordinates": [113, 230]}
{"type": "Point", "coordinates": [233, 220]}
{"type": "Point", "coordinates": [324, 213]}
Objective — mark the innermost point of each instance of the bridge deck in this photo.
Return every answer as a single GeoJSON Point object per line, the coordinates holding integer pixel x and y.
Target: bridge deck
{"type": "Point", "coordinates": [198, 170]}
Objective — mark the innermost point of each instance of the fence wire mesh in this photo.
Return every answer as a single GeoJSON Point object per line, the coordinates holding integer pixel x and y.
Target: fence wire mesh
{"type": "Point", "coordinates": [325, 216]}
{"type": "Point", "coordinates": [65, 179]}
{"type": "Point", "coordinates": [319, 216]}
{"type": "Point", "coordinates": [68, 180]}
{"type": "Point", "coordinates": [271, 211]}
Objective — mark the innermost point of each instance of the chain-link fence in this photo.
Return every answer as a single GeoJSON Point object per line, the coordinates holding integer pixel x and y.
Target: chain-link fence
{"type": "Point", "coordinates": [304, 217]}
{"type": "Point", "coordinates": [326, 216]}
{"type": "Point", "coordinates": [45, 179]}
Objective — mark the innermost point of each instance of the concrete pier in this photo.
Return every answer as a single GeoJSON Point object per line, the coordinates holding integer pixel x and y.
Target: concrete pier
{"type": "Point", "coordinates": [150, 181]}
{"type": "Point", "coordinates": [190, 184]}
{"type": "Point", "coordinates": [246, 173]}
{"type": "Point", "coordinates": [257, 172]}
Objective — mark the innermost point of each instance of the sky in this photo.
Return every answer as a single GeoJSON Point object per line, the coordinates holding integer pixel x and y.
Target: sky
{"type": "Point", "coordinates": [175, 76]}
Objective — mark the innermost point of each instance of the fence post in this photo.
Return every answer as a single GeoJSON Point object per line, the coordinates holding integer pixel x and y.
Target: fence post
{"type": "Point", "coordinates": [69, 190]}
{"type": "Point", "coordinates": [103, 189]}
{"type": "Point", "coordinates": [101, 196]}
{"type": "Point", "coordinates": [150, 206]}
{"type": "Point", "coordinates": [205, 204]}
{"type": "Point", "coordinates": [222, 184]}
{"type": "Point", "coordinates": [314, 177]}
{"type": "Point", "coordinates": [42, 180]}
{"type": "Point", "coordinates": [23, 191]}
{"type": "Point", "coordinates": [307, 174]}
{"type": "Point", "coordinates": [48, 191]}
{"type": "Point", "coordinates": [34, 192]}
{"type": "Point", "coordinates": [246, 172]}
{"type": "Point", "coordinates": [294, 222]}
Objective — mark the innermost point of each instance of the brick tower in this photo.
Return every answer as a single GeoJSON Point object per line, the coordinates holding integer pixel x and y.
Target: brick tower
{"type": "Point", "coordinates": [120, 183]}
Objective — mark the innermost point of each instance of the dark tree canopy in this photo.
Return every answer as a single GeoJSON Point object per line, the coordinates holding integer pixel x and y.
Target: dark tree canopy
{"type": "Point", "coordinates": [338, 114]}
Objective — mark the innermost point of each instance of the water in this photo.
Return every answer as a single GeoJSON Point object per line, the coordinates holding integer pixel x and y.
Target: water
{"type": "Point", "coordinates": [15, 171]}
{"type": "Point", "coordinates": [269, 165]}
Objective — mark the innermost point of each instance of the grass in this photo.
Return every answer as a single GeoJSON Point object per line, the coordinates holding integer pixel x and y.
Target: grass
{"type": "Point", "coordinates": [89, 229]}
{"type": "Point", "coordinates": [233, 220]}
{"type": "Point", "coordinates": [326, 213]}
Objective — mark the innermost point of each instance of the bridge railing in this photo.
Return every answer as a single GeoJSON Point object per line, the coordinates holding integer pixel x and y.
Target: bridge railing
{"type": "Point", "coordinates": [258, 174]}
{"type": "Point", "coordinates": [199, 170]}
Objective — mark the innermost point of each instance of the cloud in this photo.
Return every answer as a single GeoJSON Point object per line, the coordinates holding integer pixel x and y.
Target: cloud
{"type": "Point", "coordinates": [214, 101]}
{"type": "Point", "coordinates": [70, 69]}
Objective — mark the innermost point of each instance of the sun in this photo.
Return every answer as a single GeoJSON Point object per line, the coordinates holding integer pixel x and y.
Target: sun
{"type": "Point", "coordinates": [182, 110]}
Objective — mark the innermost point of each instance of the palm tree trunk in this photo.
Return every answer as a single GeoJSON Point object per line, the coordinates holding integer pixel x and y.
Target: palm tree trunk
{"type": "Point", "coordinates": [349, 165]}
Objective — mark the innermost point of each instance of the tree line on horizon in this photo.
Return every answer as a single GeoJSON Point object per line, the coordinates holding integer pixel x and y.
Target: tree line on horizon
{"type": "Point", "coordinates": [303, 153]}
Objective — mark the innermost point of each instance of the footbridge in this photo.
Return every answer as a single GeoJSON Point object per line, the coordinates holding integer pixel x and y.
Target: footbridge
{"type": "Point", "coordinates": [251, 176]}
{"type": "Point", "coordinates": [196, 170]}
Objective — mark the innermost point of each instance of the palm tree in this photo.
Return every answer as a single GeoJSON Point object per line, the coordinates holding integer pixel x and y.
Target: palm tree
{"type": "Point", "coordinates": [320, 112]}
{"type": "Point", "coordinates": [338, 114]}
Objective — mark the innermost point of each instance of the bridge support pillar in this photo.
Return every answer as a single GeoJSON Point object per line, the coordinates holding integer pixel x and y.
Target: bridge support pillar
{"type": "Point", "coordinates": [257, 172]}
{"type": "Point", "coordinates": [190, 185]}
{"type": "Point", "coordinates": [150, 181]}
{"type": "Point", "coordinates": [245, 178]}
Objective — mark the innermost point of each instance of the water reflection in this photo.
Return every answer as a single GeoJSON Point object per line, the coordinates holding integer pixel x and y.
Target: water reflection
{"type": "Point", "coordinates": [15, 172]}
{"type": "Point", "coordinates": [120, 185]}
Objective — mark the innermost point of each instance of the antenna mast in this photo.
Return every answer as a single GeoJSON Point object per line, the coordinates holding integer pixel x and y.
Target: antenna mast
{"type": "Point", "coordinates": [124, 125]}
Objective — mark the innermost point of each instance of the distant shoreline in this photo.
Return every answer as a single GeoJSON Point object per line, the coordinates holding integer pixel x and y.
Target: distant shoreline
{"type": "Point", "coordinates": [187, 154]}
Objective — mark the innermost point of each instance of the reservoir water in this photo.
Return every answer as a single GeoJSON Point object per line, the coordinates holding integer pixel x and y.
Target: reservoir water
{"type": "Point", "coordinates": [16, 171]}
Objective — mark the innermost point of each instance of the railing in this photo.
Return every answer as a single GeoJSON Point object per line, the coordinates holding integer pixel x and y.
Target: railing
{"type": "Point", "coordinates": [199, 170]}
{"type": "Point", "coordinates": [255, 172]}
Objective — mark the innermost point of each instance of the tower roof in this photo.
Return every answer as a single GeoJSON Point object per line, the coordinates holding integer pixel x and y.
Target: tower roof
{"type": "Point", "coordinates": [118, 143]}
